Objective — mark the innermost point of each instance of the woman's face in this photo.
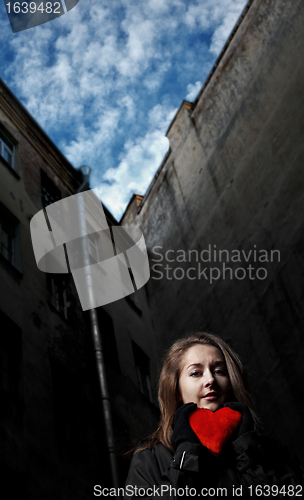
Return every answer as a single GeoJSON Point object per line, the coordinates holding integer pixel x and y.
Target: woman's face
{"type": "Point", "coordinates": [204, 378]}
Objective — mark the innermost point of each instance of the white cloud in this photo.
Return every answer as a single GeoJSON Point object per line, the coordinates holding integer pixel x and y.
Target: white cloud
{"type": "Point", "coordinates": [134, 173]}
{"type": "Point", "coordinates": [224, 29]}
{"type": "Point", "coordinates": [91, 141]}
{"type": "Point", "coordinates": [216, 16]}
{"type": "Point", "coordinates": [193, 90]}
{"type": "Point", "coordinates": [138, 164]}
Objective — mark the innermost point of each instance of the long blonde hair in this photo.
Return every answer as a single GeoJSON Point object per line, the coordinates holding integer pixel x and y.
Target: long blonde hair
{"type": "Point", "coordinates": [168, 391]}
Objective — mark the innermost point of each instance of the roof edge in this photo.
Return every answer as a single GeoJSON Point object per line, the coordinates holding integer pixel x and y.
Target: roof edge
{"type": "Point", "coordinates": [224, 49]}
{"type": "Point", "coordinates": [185, 104]}
{"type": "Point", "coordinates": [37, 126]}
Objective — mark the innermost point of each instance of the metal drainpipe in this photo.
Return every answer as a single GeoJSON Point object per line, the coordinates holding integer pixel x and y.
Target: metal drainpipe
{"type": "Point", "coordinates": [97, 342]}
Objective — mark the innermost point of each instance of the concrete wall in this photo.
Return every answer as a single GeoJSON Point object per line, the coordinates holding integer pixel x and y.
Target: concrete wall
{"type": "Point", "coordinates": [234, 180]}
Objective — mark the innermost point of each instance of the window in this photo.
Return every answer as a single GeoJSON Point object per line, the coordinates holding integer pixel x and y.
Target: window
{"type": "Point", "coordinates": [9, 237]}
{"type": "Point", "coordinates": [67, 413]}
{"type": "Point", "coordinates": [10, 363]}
{"type": "Point", "coordinates": [59, 293]}
{"type": "Point", "coordinates": [100, 246]}
{"type": "Point", "coordinates": [7, 241]}
{"type": "Point", "coordinates": [49, 191]}
{"type": "Point", "coordinates": [142, 364]}
{"type": "Point", "coordinates": [7, 150]}
{"type": "Point", "coordinates": [107, 332]}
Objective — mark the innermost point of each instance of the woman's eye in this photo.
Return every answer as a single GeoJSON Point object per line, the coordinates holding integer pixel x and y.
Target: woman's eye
{"type": "Point", "coordinates": [220, 372]}
{"type": "Point", "coordinates": [195, 373]}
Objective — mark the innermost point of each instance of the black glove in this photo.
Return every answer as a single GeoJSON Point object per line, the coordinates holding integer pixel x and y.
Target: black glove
{"type": "Point", "coordinates": [182, 430]}
{"type": "Point", "coordinates": [247, 423]}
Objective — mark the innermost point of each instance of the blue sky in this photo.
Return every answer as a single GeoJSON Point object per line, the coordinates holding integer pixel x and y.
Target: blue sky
{"type": "Point", "coordinates": [105, 80]}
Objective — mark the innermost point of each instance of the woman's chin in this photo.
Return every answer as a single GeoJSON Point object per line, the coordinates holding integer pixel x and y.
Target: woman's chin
{"type": "Point", "coordinates": [213, 406]}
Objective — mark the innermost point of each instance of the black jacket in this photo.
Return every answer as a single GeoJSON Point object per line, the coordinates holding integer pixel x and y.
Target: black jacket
{"type": "Point", "coordinates": [250, 467]}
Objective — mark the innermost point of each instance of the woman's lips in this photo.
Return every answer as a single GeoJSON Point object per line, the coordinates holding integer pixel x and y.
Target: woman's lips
{"type": "Point", "coordinates": [211, 396]}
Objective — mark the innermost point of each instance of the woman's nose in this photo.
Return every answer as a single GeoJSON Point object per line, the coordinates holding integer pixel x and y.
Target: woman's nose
{"type": "Point", "coordinates": [208, 379]}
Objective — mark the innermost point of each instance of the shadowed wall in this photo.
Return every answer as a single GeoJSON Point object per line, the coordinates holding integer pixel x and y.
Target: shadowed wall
{"type": "Point", "coordinates": [233, 181]}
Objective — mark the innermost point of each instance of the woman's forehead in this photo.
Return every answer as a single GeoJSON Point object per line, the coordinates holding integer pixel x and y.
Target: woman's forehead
{"type": "Point", "coordinates": [202, 353]}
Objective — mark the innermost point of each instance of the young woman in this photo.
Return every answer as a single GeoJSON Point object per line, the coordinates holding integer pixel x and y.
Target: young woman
{"type": "Point", "coordinates": [206, 444]}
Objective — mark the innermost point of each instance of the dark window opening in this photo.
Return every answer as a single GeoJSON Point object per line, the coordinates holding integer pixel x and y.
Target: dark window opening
{"type": "Point", "coordinates": [10, 370]}
{"type": "Point", "coordinates": [107, 333]}
{"type": "Point", "coordinates": [49, 191]}
{"type": "Point", "coordinates": [7, 150]}
{"type": "Point", "coordinates": [59, 294]}
{"type": "Point", "coordinates": [67, 416]}
{"type": "Point", "coordinates": [9, 237]}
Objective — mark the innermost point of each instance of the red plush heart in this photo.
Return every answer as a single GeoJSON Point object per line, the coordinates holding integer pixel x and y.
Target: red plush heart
{"type": "Point", "coordinates": [214, 430]}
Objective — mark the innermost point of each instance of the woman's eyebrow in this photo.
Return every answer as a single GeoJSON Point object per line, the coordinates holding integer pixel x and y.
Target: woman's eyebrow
{"type": "Point", "coordinates": [194, 364]}
{"type": "Point", "coordinates": [215, 362]}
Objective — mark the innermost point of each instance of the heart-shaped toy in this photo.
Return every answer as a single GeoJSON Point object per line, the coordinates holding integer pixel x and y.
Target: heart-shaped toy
{"type": "Point", "coordinates": [215, 429]}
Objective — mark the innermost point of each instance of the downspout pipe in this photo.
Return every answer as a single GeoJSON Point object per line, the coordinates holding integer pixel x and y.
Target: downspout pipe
{"type": "Point", "coordinates": [97, 343]}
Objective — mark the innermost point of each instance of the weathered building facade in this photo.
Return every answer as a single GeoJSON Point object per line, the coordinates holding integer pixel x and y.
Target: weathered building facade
{"type": "Point", "coordinates": [223, 218]}
{"type": "Point", "coordinates": [53, 438]}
